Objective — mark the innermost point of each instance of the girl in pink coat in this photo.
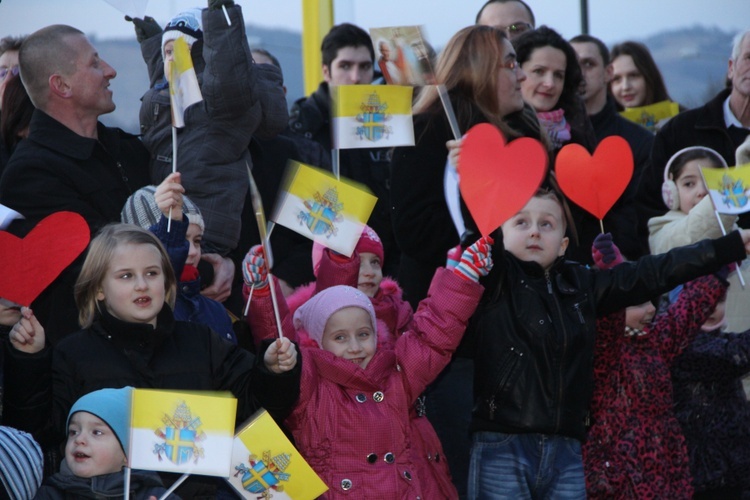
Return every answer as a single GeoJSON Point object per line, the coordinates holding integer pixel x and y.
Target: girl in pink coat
{"type": "Point", "coordinates": [352, 420]}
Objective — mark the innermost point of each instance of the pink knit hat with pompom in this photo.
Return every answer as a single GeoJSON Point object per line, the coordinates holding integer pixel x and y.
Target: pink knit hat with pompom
{"type": "Point", "coordinates": [368, 242]}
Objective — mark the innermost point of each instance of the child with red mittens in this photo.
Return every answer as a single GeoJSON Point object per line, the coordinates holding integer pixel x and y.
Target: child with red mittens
{"type": "Point", "coordinates": [352, 378]}
{"type": "Point", "coordinates": [635, 446]}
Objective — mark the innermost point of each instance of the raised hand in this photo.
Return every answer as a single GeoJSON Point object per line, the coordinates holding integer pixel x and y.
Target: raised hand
{"type": "Point", "coordinates": [476, 261]}
{"type": "Point", "coordinates": [254, 269]}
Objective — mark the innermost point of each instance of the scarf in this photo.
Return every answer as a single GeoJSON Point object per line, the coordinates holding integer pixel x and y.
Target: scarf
{"type": "Point", "coordinates": [557, 128]}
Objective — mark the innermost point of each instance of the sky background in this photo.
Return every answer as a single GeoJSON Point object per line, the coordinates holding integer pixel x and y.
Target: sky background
{"type": "Point", "coordinates": [610, 20]}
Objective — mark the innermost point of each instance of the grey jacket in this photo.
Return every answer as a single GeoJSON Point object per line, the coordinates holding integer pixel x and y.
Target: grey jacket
{"type": "Point", "coordinates": [240, 99]}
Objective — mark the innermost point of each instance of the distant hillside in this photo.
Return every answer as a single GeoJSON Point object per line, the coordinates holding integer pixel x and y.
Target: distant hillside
{"type": "Point", "coordinates": [692, 60]}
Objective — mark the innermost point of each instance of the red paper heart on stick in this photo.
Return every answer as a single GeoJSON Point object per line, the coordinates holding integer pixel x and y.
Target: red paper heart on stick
{"type": "Point", "coordinates": [31, 263]}
{"type": "Point", "coordinates": [595, 183]}
{"type": "Point", "coordinates": [497, 179]}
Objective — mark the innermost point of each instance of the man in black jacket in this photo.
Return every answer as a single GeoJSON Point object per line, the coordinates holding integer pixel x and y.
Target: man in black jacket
{"type": "Point", "coordinates": [70, 161]}
{"type": "Point", "coordinates": [593, 57]}
{"type": "Point", "coordinates": [348, 59]}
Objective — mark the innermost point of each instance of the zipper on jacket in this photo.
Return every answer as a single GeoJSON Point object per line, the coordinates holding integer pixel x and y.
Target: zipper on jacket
{"type": "Point", "coordinates": [560, 379]}
{"type": "Point", "coordinates": [577, 308]}
{"type": "Point", "coordinates": [511, 359]}
{"type": "Point", "coordinates": [492, 406]}
{"type": "Point", "coordinates": [549, 282]}
{"type": "Point", "coordinates": [156, 112]}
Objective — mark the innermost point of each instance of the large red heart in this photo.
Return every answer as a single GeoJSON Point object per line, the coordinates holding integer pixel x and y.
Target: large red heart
{"type": "Point", "coordinates": [31, 263]}
{"type": "Point", "coordinates": [498, 179]}
{"type": "Point", "coordinates": [595, 183]}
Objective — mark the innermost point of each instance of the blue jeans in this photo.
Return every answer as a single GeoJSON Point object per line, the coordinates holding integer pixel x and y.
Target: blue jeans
{"type": "Point", "coordinates": [525, 466]}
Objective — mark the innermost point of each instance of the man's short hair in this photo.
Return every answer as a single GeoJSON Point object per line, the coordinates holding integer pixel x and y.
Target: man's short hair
{"type": "Point", "coordinates": [603, 50]}
{"type": "Point", "coordinates": [737, 42]}
{"type": "Point", "coordinates": [44, 53]}
{"type": "Point", "coordinates": [11, 43]}
{"type": "Point", "coordinates": [270, 56]}
{"type": "Point", "coordinates": [344, 35]}
{"type": "Point", "coordinates": [525, 5]}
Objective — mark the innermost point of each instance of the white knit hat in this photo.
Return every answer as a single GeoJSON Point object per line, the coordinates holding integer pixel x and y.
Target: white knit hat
{"type": "Point", "coordinates": [187, 25]}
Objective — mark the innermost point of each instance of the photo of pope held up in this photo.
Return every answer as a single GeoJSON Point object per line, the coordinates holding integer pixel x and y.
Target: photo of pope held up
{"type": "Point", "coordinates": [403, 55]}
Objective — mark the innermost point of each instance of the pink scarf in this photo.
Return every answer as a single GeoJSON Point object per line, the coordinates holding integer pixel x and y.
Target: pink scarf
{"type": "Point", "coordinates": [557, 128]}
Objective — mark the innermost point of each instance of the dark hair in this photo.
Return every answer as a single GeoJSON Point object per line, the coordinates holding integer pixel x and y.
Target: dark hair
{"type": "Point", "coordinates": [11, 43]}
{"type": "Point", "coordinates": [44, 53]}
{"type": "Point", "coordinates": [656, 91]}
{"type": "Point", "coordinates": [603, 50]}
{"type": "Point", "coordinates": [488, 2]}
{"type": "Point", "coordinates": [17, 110]}
{"type": "Point", "coordinates": [678, 164]}
{"type": "Point", "coordinates": [272, 57]}
{"type": "Point", "coordinates": [344, 35]}
{"type": "Point", "coordinates": [547, 37]}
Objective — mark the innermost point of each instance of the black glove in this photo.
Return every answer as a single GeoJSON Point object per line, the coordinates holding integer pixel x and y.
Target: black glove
{"type": "Point", "coordinates": [144, 28]}
{"type": "Point", "coordinates": [218, 4]}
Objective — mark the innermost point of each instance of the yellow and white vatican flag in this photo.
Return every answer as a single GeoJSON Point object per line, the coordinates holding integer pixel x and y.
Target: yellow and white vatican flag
{"type": "Point", "coordinates": [330, 211]}
{"type": "Point", "coordinates": [652, 116]}
{"type": "Point", "coordinates": [372, 116]}
{"type": "Point", "coordinates": [265, 464]}
{"type": "Point", "coordinates": [184, 432]}
{"type": "Point", "coordinates": [729, 188]}
{"type": "Point", "coordinates": [183, 82]}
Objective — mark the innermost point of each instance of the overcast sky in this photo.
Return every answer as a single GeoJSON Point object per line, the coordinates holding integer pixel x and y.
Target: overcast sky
{"type": "Point", "coordinates": [610, 20]}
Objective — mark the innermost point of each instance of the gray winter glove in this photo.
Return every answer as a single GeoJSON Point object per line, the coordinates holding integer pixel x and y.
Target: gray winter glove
{"type": "Point", "coordinates": [218, 4]}
{"type": "Point", "coordinates": [144, 28]}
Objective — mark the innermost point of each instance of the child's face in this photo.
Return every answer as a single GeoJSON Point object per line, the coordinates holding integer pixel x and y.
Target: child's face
{"type": "Point", "coordinates": [716, 320]}
{"type": "Point", "coordinates": [10, 312]}
{"type": "Point", "coordinates": [370, 274]}
{"type": "Point", "coordinates": [537, 232]}
{"type": "Point", "coordinates": [92, 448]}
{"type": "Point", "coordinates": [690, 185]}
{"type": "Point", "coordinates": [638, 317]}
{"type": "Point", "coordinates": [168, 57]}
{"type": "Point", "coordinates": [349, 334]}
{"type": "Point", "coordinates": [194, 237]}
{"type": "Point", "coordinates": [133, 288]}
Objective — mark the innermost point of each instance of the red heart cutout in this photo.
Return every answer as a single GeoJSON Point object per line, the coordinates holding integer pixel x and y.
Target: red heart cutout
{"type": "Point", "coordinates": [498, 179]}
{"type": "Point", "coordinates": [595, 183]}
{"type": "Point", "coordinates": [31, 263]}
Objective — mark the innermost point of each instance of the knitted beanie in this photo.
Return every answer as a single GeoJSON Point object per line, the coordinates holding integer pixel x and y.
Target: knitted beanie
{"type": "Point", "coordinates": [187, 25]}
{"type": "Point", "coordinates": [141, 209]}
{"type": "Point", "coordinates": [21, 464]}
{"type": "Point", "coordinates": [110, 405]}
{"type": "Point", "coordinates": [313, 315]}
{"type": "Point", "coordinates": [369, 242]}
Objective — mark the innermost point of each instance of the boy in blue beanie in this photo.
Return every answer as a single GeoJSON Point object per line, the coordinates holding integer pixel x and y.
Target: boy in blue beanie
{"type": "Point", "coordinates": [96, 452]}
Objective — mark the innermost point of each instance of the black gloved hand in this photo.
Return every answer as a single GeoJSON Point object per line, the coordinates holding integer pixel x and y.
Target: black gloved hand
{"type": "Point", "coordinates": [144, 28]}
{"type": "Point", "coordinates": [218, 4]}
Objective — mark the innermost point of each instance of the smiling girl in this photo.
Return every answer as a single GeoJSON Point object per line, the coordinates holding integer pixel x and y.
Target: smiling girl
{"type": "Point", "coordinates": [352, 422]}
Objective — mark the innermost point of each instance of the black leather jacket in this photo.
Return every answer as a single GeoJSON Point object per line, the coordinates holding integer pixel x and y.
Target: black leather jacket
{"type": "Point", "coordinates": [535, 331]}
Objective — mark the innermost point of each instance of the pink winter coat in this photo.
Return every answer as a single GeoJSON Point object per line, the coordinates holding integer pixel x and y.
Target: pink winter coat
{"type": "Point", "coordinates": [353, 425]}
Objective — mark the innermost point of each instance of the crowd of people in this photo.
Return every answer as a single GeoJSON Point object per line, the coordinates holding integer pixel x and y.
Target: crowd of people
{"type": "Point", "coordinates": [544, 360]}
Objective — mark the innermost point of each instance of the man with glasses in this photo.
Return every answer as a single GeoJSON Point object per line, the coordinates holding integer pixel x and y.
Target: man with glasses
{"type": "Point", "coordinates": [512, 16]}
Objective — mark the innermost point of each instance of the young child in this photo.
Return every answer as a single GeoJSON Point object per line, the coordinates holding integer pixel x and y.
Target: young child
{"type": "Point", "coordinates": [535, 331]}
{"type": "Point", "coordinates": [149, 207]}
{"type": "Point", "coordinates": [635, 447]}
{"type": "Point", "coordinates": [363, 270]}
{"type": "Point", "coordinates": [240, 99]}
{"type": "Point", "coordinates": [96, 451]}
{"type": "Point", "coordinates": [712, 407]}
{"type": "Point", "coordinates": [130, 338]}
{"type": "Point", "coordinates": [691, 218]}
{"type": "Point", "coordinates": [352, 421]}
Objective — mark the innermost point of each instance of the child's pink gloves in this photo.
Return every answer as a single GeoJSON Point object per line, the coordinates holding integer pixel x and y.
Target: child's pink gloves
{"type": "Point", "coordinates": [254, 270]}
{"type": "Point", "coordinates": [605, 253]}
{"type": "Point", "coordinates": [476, 261]}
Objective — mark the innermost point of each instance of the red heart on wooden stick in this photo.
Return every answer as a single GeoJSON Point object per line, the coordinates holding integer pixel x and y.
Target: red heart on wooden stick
{"type": "Point", "coordinates": [31, 263]}
{"type": "Point", "coordinates": [595, 183]}
{"type": "Point", "coordinates": [497, 179]}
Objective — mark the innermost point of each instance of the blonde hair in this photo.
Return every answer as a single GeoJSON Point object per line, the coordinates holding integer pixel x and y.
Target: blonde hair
{"type": "Point", "coordinates": [468, 67]}
{"type": "Point", "coordinates": [96, 265]}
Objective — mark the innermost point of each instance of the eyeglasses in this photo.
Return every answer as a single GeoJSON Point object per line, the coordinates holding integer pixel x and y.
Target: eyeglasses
{"type": "Point", "coordinates": [13, 70]}
{"type": "Point", "coordinates": [511, 65]}
{"type": "Point", "coordinates": [516, 29]}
